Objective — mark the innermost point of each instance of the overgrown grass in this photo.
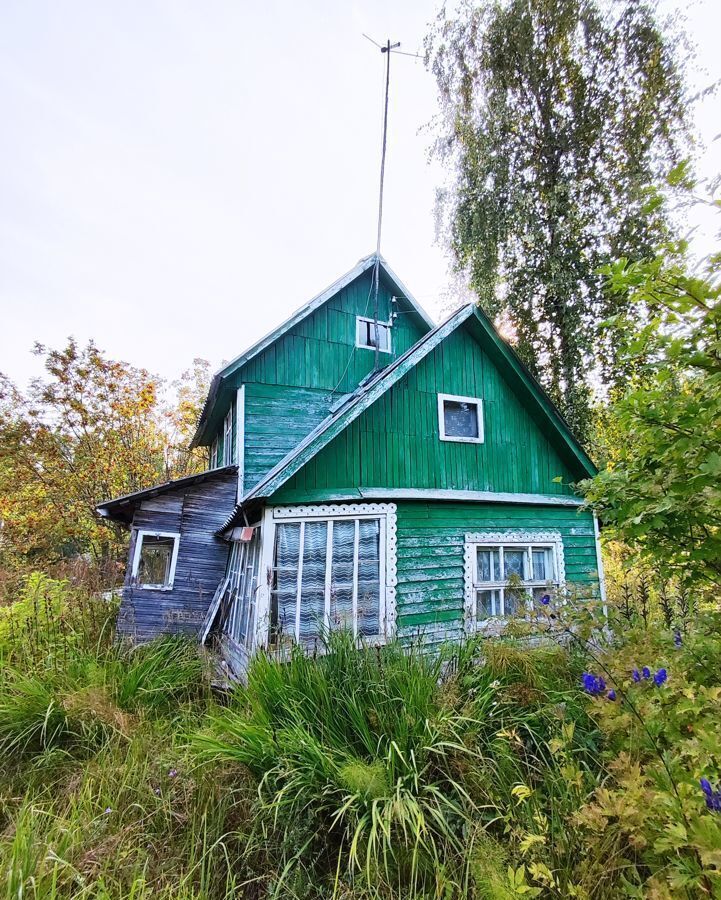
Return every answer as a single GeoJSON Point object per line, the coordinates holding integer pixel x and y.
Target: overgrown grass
{"type": "Point", "coordinates": [483, 771]}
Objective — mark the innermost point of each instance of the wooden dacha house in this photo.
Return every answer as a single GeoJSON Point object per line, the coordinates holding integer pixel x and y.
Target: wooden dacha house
{"type": "Point", "coordinates": [403, 478]}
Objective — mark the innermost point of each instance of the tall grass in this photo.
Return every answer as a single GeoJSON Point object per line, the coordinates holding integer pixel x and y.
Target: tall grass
{"type": "Point", "coordinates": [369, 774]}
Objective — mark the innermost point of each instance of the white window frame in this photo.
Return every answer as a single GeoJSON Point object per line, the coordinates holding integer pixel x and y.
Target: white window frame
{"type": "Point", "coordinates": [146, 532]}
{"type": "Point", "coordinates": [386, 325]}
{"type": "Point", "coordinates": [228, 458]}
{"type": "Point", "coordinates": [386, 512]}
{"type": "Point", "coordinates": [477, 402]}
{"type": "Point", "coordinates": [213, 461]}
{"type": "Point", "coordinates": [528, 540]}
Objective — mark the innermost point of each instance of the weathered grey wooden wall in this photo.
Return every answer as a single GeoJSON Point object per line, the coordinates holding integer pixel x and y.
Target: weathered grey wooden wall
{"type": "Point", "coordinates": [195, 512]}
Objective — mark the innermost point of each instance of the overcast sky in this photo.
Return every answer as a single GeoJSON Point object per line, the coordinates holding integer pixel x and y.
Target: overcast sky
{"type": "Point", "coordinates": [176, 177]}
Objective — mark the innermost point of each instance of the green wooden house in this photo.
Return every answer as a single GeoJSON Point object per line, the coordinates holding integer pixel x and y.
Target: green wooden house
{"type": "Point", "coordinates": [385, 475]}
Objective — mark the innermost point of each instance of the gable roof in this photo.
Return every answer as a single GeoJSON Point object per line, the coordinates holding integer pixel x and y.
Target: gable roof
{"type": "Point", "coordinates": [121, 509]}
{"type": "Point", "coordinates": [352, 405]}
{"type": "Point", "coordinates": [363, 265]}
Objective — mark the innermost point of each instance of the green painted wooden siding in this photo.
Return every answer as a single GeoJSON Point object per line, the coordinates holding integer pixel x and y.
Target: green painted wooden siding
{"type": "Point", "coordinates": [430, 589]}
{"type": "Point", "coordinates": [396, 443]}
{"type": "Point", "coordinates": [277, 420]}
{"type": "Point", "coordinates": [290, 387]}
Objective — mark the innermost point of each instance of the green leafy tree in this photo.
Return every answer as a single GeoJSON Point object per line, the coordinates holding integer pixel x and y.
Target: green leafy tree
{"type": "Point", "coordinates": [91, 429]}
{"type": "Point", "coordinates": [661, 490]}
{"type": "Point", "coordinates": [557, 117]}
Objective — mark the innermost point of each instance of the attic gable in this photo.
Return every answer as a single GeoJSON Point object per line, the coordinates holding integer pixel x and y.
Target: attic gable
{"type": "Point", "coordinates": [248, 365]}
{"type": "Point", "coordinates": [487, 344]}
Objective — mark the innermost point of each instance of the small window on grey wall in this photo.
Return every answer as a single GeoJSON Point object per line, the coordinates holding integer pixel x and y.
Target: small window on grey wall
{"type": "Point", "coordinates": [460, 418]}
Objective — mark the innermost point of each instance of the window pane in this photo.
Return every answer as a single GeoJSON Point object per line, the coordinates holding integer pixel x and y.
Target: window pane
{"type": "Point", "coordinates": [156, 554]}
{"type": "Point", "coordinates": [287, 544]}
{"type": "Point", "coordinates": [460, 419]}
{"type": "Point", "coordinates": [488, 604]}
{"type": "Point", "coordinates": [341, 588]}
{"type": "Point", "coordinates": [515, 601]}
{"type": "Point", "coordinates": [513, 562]}
{"type": "Point", "coordinates": [542, 564]}
{"type": "Point", "coordinates": [312, 589]}
{"type": "Point", "coordinates": [489, 564]}
{"type": "Point", "coordinates": [368, 577]}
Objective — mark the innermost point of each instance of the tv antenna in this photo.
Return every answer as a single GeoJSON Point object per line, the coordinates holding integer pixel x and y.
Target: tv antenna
{"type": "Point", "coordinates": [386, 48]}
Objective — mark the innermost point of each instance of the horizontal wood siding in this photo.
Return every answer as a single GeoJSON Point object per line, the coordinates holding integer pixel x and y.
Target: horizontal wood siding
{"type": "Point", "coordinates": [396, 443]}
{"type": "Point", "coordinates": [277, 419]}
{"type": "Point", "coordinates": [430, 539]}
{"type": "Point", "coordinates": [195, 512]}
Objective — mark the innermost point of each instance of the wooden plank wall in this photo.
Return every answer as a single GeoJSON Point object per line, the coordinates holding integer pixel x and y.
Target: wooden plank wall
{"type": "Point", "coordinates": [291, 386]}
{"type": "Point", "coordinates": [396, 442]}
{"type": "Point", "coordinates": [196, 512]}
{"type": "Point", "coordinates": [431, 536]}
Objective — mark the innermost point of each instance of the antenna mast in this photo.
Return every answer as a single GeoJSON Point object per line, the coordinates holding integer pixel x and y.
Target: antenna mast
{"type": "Point", "coordinates": [376, 270]}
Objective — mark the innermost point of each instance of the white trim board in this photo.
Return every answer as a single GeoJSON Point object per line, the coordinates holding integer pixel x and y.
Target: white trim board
{"type": "Point", "coordinates": [371, 493]}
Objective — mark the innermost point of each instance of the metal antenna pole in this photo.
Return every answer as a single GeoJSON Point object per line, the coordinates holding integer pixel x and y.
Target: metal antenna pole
{"type": "Point", "coordinates": [376, 272]}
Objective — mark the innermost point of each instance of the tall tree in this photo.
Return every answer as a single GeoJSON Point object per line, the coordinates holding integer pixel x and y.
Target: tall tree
{"type": "Point", "coordinates": [90, 429]}
{"type": "Point", "coordinates": [558, 116]}
{"type": "Point", "coordinates": [661, 489]}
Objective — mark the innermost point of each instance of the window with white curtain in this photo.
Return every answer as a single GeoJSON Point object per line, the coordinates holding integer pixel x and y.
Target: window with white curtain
{"type": "Point", "coordinates": [507, 578]}
{"type": "Point", "coordinates": [328, 574]}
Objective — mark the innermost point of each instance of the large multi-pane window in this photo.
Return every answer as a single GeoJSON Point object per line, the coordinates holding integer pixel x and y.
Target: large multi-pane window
{"type": "Point", "coordinates": [328, 574]}
{"type": "Point", "coordinates": [508, 577]}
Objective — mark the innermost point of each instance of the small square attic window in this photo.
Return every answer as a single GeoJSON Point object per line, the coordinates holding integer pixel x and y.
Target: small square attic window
{"type": "Point", "coordinates": [366, 330]}
{"type": "Point", "coordinates": [460, 419]}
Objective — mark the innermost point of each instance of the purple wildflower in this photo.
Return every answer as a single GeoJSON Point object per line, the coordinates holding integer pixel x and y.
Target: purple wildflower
{"type": "Point", "coordinates": [611, 695]}
{"type": "Point", "coordinates": [712, 797]}
{"type": "Point", "coordinates": [108, 810]}
{"type": "Point", "coordinates": [173, 773]}
{"type": "Point", "coordinates": [592, 684]}
{"type": "Point", "coordinates": [660, 677]}
{"type": "Point", "coordinates": [677, 639]}
{"type": "Point", "coordinates": [646, 672]}
{"type": "Point", "coordinates": [156, 791]}
{"type": "Point", "coordinates": [545, 599]}
{"type": "Point", "coordinates": [636, 675]}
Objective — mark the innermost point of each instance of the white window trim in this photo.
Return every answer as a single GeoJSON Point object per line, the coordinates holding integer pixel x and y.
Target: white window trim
{"type": "Point", "coordinates": [139, 535]}
{"type": "Point", "coordinates": [228, 459]}
{"type": "Point", "coordinates": [388, 325]}
{"type": "Point", "coordinates": [213, 461]}
{"type": "Point", "coordinates": [388, 561]}
{"type": "Point", "coordinates": [442, 419]}
{"type": "Point", "coordinates": [503, 538]}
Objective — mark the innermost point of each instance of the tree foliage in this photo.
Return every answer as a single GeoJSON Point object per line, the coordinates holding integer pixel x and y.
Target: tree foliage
{"type": "Point", "coordinates": [558, 115]}
{"type": "Point", "coordinates": [661, 491]}
{"type": "Point", "coordinates": [91, 429]}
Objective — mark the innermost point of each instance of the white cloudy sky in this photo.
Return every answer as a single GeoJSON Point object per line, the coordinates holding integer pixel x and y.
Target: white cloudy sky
{"type": "Point", "coordinates": [177, 176]}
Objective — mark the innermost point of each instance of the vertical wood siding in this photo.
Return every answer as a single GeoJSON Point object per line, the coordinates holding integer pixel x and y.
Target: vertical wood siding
{"type": "Point", "coordinates": [195, 512]}
{"type": "Point", "coordinates": [291, 386]}
{"type": "Point", "coordinates": [396, 443]}
{"type": "Point", "coordinates": [430, 536]}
